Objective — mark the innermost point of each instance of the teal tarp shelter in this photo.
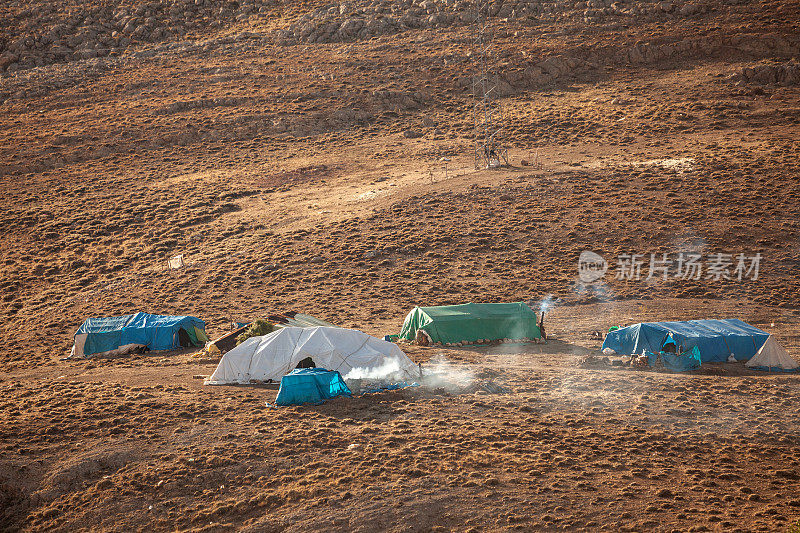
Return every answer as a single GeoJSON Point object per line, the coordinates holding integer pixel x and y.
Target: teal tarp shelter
{"type": "Point", "coordinates": [472, 322]}
{"type": "Point", "coordinates": [677, 362]}
{"type": "Point", "coordinates": [716, 339]}
{"type": "Point", "coordinates": [124, 334]}
{"type": "Point", "coordinates": [310, 385]}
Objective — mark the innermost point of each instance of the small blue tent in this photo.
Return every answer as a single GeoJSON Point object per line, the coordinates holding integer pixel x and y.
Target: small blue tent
{"type": "Point", "coordinates": [310, 385]}
{"type": "Point", "coordinates": [716, 339]}
{"type": "Point", "coordinates": [122, 334]}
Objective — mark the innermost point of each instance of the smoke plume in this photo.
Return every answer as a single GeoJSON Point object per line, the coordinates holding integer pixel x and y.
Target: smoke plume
{"type": "Point", "coordinates": [384, 371]}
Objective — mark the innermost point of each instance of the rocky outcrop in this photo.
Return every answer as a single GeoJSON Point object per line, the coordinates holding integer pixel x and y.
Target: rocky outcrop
{"type": "Point", "coordinates": [526, 76]}
{"type": "Point", "coordinates": [96, 37]}
{"type": "Point", "coordinates": [748, 44]}
{"type": "Point", "coordinates": [784, 74]}
{"type": "Point", "coordinates": [352, 21]}
{"type": "Point", "coordinates": [514, 77]}
{"type": "Point", "coordinates": [48, 33]}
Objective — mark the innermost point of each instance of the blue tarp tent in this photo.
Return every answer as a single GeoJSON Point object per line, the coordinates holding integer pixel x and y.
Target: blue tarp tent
{"type": "Point", "coordinates": [310, 385]}
{"type": "Point", "coordinates": [121, 334]}
{"type": "Point", "coordinates": [716, 339]}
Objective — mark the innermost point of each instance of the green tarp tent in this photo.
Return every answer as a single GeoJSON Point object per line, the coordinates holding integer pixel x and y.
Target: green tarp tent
{"type": "Point", "coordinates": [472, 322]}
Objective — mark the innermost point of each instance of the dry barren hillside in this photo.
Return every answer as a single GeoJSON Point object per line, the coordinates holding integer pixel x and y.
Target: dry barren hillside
{"type": "Point", "coordinates": [318, 157]}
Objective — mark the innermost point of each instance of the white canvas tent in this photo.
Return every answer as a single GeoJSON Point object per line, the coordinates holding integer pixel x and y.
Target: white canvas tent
{"type": "Point", "coordinates": [772, 356]}
{"type": "Point", "coordinates": [274, 355]}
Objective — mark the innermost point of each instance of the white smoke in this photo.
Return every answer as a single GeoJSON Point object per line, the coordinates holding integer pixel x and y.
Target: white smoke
{"type": "Point", "coordinates": [546, 304]}
{"type": "Point", "coordinates": [440, 372]}
{"type": "Point", "coordinates": [384, 371]}
{"type": "Point", "coordinates": [599, 290]}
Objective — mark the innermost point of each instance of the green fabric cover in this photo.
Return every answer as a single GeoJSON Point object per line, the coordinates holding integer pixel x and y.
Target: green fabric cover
{"type": "Point", "coordinates": [472, 322]}
{"type": "Point", "coordinates": [192, 336]}
{"type": "Point", "coordinates": [202, 338]}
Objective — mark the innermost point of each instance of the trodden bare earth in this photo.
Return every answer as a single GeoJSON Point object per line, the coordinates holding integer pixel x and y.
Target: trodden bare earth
{"type": "Point", "coordinates": [292, 152]}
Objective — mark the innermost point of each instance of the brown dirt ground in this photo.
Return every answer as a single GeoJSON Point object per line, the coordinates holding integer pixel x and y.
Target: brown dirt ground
{"type": "Point", "coordinates": [103, 180]}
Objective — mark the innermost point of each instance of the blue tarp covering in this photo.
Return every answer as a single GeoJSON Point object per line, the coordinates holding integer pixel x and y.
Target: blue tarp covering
{"type": "Point", "coordinates": [716, 339]}
{"type": "Point", "coordinates": [774, 369]}
{"type": "Point", "coordinates": [310, 385]}
{"type": "Point", "coordinates": [676, 362]}
{"type": "Point", "coordinates": [157, 332]}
